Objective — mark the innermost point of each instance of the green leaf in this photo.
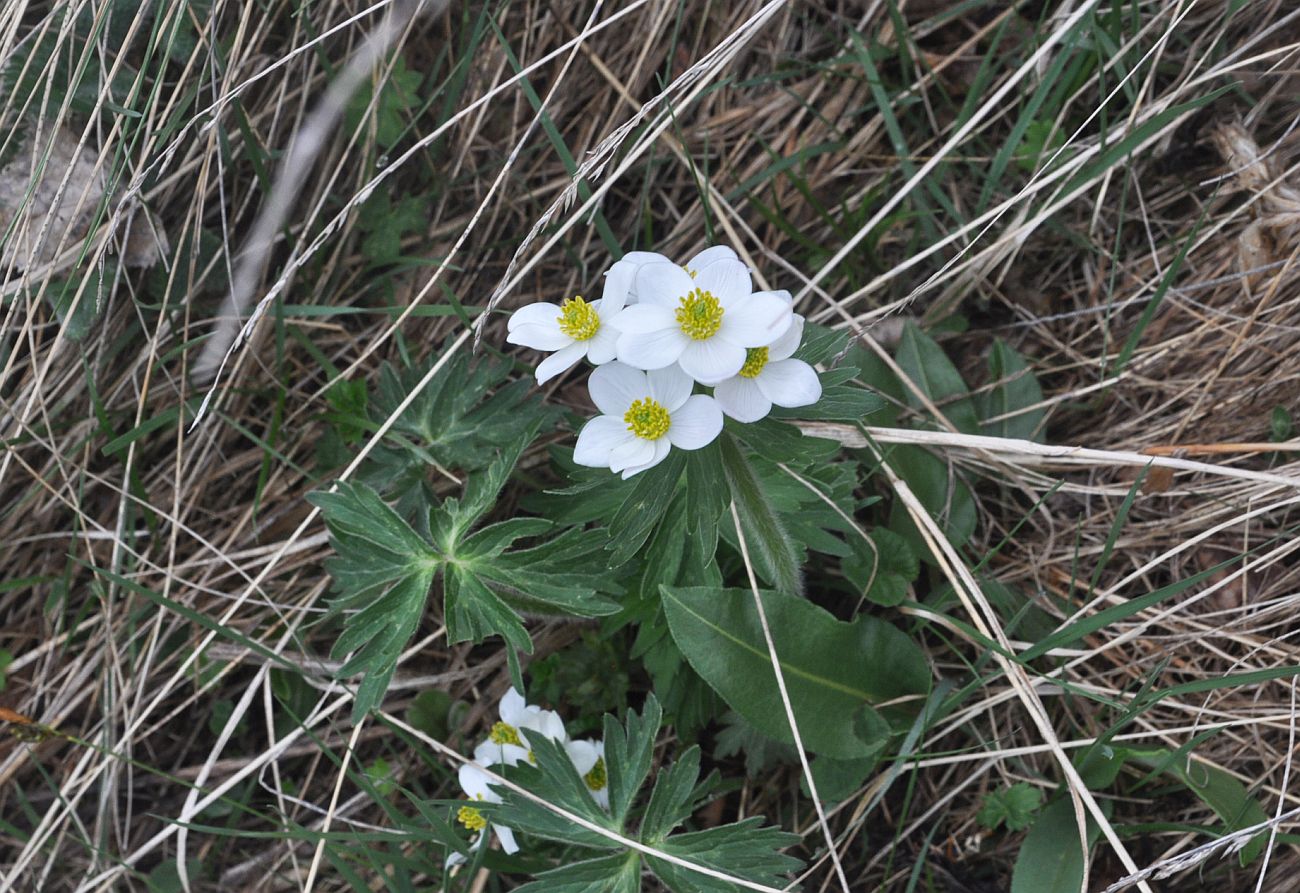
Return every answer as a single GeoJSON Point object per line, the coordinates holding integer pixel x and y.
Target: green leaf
{"type": "Point", "coordinates": [619, 873]}
{"type": "Point", "coordinates": [1016, 389]}
{"type": "Point", "coordinates": [1013, 807]}
{"type": "Point", "coordinates": [385, 224]}
{"type": "Point", "coordinates": [462, 419]}
{"type": "Point", "coordinates": [882, 568]}
{"type": "Point", "coordinates": [944, 495]}
{"type": "Point", "coordinates": [1223, 793]}
{"type": "Point", "coordinates": [925, 363]}
{"type": "Point", "coordinates": [838, 403]}
{"type": "Point", "coordinates": [1280, 425]}
{"type": "Point", "coordinates": [383, 571]}
{"type": "Point", "coordinates": [397, 94]}
{"type": "Point", "coordinates": [1050, 859]}
{"type": "Point", "coordinates": [770, 548]}
{"type": "Point", "coordinates": [628, 751]}
{"type": "Point", "coordinates": [644, 507]}
{"type": "Point", "coordinates": [833, 671]}
{"type": "Point", "coordinates": [744, 849]}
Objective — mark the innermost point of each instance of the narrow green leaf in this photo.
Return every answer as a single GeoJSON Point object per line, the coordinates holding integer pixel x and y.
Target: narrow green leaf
{"type": "Point", "coordinates": [643, 508]}
{"type": "Point", "coordinates": [770, 548]}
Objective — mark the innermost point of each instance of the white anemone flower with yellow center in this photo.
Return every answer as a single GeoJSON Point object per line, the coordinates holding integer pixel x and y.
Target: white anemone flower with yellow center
{"type": "Point", "coordinates": [507, 743]}
{"type": "Point", "coordinates": [644, 415]}
{"type": "Point", "coordinates": [574, 329]}
{"type": "Point", "coordinates": [770, 376]}
{"type": "Point", "coordinates": [588, 757]}
{"type": "Point", "coordinates": [474, 782]}
{"type": "Point", "coordinates": [702, 319]}
{"type": "Point", "coordinates": [635, 260]}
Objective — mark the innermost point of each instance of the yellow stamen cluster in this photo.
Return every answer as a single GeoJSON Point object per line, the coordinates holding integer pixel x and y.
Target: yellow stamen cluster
{"type": "Point", "coordinates": [647, 419]}
{"type": "Point", "coordinates": [699, 315]}
{"type": "Point", "coordinates": [755, 360]}
{"type": "Point", "coordinates": [596, 778]}
{"type": "Point", "coordinates": [471, 818]}
{"type": "Point", "coordinates": [577, 319]}
{"type": "Point", "coordinates": [504, 733]}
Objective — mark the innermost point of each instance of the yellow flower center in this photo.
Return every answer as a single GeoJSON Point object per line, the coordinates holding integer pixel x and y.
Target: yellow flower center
{"type": "Point", "coordinates": [699, 314]}
{"type": "Point", "coordinates": [647, 419]}
{"type": "Point", "coordinates": [755, 360]}
{"type": "Point", "coordinates": [504, 733]}
{"type": "Point", "coordinates": [596, 778]}
{"type": "Point", "coordinates": [471, 818]}
{"type": "Point", "coordinates": [577, 319]}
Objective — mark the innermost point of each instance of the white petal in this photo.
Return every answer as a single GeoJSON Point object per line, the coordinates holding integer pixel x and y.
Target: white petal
{"type": "Point", "coordinates": [560, 361]}
{"type": "Point", "coordinates": [618, 285]}
{"type": "Point", "coordinates": [533, 315]}
{"type": "Point", "coordinates": [615, 386]}
{"type": "Point", "coordinates": [540, 337]}
{"type": "Point", "coordinates": [790, 383]}
{"type": "Point", "coordinates": [643, 319]}
{"type": "Point", "coordinates": [603, 346]}
{"type": "Point", "coordinates": [713, 360]}
{"type": "Point", "coordinates": [728, 280]}
{"type": "Point", "coordinates": [641, 258]}
{"type": "Point", "coordinates": [546, 723]}
{"type": "Point", "coordinates": [662, 448]}
{"type": "Point", "coordinates": [758, 320]}
{"type": "Point", "coordinates": [513, 706]}
{"type": "Point", "coordinates": [785, 346]}
{"type": "Point", "coordinates": [602, 797]}
{"type": "Point", "coordinates": [650, 350]}
{"type": "Point", "coordinates": [742, 399]}
{"type": "Point", "coordinates": [598, 438]}
{"type": "Point", "coordinates": [663, 284]}
{"type": "Point", "coordinates": [696, 424]}
{"type": "Point", "coordinates": [508, 845]}
{"type": "Point", "coordinates": [474, 782]}
{"type": "Point", "coordinates": [489, 753]}
{"type": "Point", "coordinates": [670, 386]}
{"type": "Point", "coordinates": [582, 754]}
{"type": "Point", "coordinates": [637, 451]}
{"type": "Point", "coordinates": [710, 255]}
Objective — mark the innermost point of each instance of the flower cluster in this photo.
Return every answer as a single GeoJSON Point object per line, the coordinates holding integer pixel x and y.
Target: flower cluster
{"type": "Point", "coordinates": [507, 745]}
{"type": "Point", "coordinates": [657, 331]}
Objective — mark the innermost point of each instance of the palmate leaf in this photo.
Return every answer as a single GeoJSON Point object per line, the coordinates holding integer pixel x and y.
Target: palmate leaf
{"type": "Point", "coordinates": [457, 421]}
{"type": "Point", "coordinates": [383, 569]}
{"type": "Point", "coordinates": [746, 849]}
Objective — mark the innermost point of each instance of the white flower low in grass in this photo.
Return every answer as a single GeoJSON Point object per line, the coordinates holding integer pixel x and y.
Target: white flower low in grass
{"type": "Point", "coordinates": [574, 329]}
{"type": "Point", "coordinates": [644, 415]}
{"type": "Point", "coordinates": [474, 782]}
{"type": "Point", "coordinates": [701, 318]}
{"type": "Point", "coordinates": [507, 743]}
{"type": "Point", "coordinates": [770, 376]}
{"type": "Point", "coordinates": [588, 757]}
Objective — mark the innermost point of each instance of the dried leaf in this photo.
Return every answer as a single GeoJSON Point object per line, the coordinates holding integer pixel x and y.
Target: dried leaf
{"type": "Point", "coordinates": [51, 215]}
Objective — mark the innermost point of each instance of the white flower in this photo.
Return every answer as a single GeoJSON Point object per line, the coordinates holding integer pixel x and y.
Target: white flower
{"type": "Point", "coordinates": [474, 782]}
{"type": "Point", "coordinates": [625, 270]}
{"type": "Point", "coordinates": [644, 415]}
{"type": "Point", "coordinates": [588, 757]}
{"type": "Point", "coordinates": [635, 260]}
{"type": "Point", "coordinates": [769, 376]}
{"type": "Point", "coordinates": [702, 318]}
{"type": "Point", "coordinates": [574, 329]}
{"type": "Point", "coordinates": [508, 741]}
